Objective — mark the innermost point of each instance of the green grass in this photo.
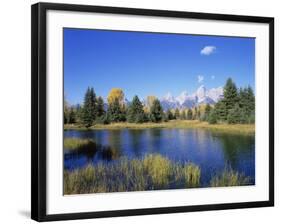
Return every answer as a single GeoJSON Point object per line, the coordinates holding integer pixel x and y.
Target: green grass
{"type": "Point", "coordinates": [77, 143]}
{"type": "Point", "coordinates": [152, 172]}
{"type": "Point", "coordinates": [229, 128]}
{"type": "Point", "coordinates": [149, 173]}
{"type": "Point", "coordinates": [229, 177]}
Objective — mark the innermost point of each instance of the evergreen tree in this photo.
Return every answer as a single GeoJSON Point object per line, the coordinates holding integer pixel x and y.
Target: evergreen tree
{"type": "Point", "coordinates": [189, 114]}
{"type": "Point", "coordinates": [156, 111]}
{"type": "Point", "coordinates": [64, 117]}
{"type": "Point", "coordinates": [247, 104]}
{"type": "Point", "coordinates": [177, 113]}
{"type": "Point", "coordinates": [251, 101]}
{"type": "Point", "coordinates": [230, 94]}
{"type": "Point", "coordinates": [207, 111]}
{"type": "Point", "coordinates": [169, 115]}
{"type": "Point", "coordinates": [71, 117]}
{"type": "Point", "coordinates": [78, 113]}
{"type": "Point", "coordinates": [89, 107]}
{"type": "Point", "coordinates": [182, 115]}
{"type": "Point", "coordinates": [135, 112]}
{"type": "Point", "coordinates": [234, 115]}
{"type": "Point", "coordinates": [115, 112]}
{"type": "Point", "coordinates": [199, 114]}
{"type": "Point", "coordinates": [195, 113]}
{"type": "Point", "coordinates": [100, 107]}
{"type": "Point", "coordinates": [212, 118]}
{"type": "Point", "coordinates": [221, 111]}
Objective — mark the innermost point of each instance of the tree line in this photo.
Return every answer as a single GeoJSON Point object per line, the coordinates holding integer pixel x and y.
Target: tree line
{"type": "Point", "coordinates": [237, 106]}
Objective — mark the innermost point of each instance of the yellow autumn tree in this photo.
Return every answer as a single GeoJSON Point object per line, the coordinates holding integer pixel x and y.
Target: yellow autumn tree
{"type": "Point", "coordinates": [116, 94]}
{"type": "Point", "coordinates": [150, 100]}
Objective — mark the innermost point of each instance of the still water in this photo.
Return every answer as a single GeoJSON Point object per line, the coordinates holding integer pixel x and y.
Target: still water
{"type": "Point", "coordinates": [212, 151]}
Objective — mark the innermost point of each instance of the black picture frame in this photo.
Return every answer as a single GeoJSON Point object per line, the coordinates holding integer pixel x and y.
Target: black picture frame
{"type": "Point", "coordinates": [38, 110]}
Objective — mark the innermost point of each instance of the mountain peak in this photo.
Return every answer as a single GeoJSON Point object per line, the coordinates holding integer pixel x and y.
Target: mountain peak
{"type": "Point", "coordinates": [182, 97]}
{"type": "Point", "coordinates": [168, 97]}
{"type": "Point", "coordinates": [200, 96]}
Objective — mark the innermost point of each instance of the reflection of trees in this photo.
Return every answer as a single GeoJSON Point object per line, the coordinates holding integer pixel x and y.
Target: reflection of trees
{"type": "Point", "coordinates": [136, 142]}
{"type": "Point", "coordinates": [153, 137]}
{"type": "Point", "coordinates": [114, 143]}
{"type": "Point", "coordinates": [235, 146]}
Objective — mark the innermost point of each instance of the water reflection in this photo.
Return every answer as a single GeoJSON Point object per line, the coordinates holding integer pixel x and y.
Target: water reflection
{"type": "Point", "coordinates": [212, 151]}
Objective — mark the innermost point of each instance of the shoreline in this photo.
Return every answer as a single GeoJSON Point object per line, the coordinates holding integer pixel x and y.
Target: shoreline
{"type": "Point", "coordinates": [248, 129]}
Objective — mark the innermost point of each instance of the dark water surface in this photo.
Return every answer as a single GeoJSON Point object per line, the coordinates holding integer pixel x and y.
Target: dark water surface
{"type": "Point", "coordinates": [212, 151]}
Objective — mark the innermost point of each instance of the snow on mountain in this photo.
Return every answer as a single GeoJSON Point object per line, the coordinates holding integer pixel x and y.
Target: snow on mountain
{"type": "Point", "coordinates": [169, 102]}
{"type": "Point", "coordinates": [184, 100]}
{"type": "Point", "coordinates": [200, 96]}
{"type": "Point", "coordinates": [215, 93]}
{"type": "Point", "coordinates": [182, 97]}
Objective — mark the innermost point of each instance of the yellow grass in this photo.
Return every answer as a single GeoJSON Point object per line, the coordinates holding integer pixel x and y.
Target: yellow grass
{"type": "Point", "coordinates": [234, 128]}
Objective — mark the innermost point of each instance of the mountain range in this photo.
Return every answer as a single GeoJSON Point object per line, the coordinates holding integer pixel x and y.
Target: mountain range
{"type": "Point", "coordinates": [185, 100]}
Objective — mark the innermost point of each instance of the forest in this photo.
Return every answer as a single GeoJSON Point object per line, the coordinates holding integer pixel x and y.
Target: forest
{"type": "Point", "coordinates": [236, 107]}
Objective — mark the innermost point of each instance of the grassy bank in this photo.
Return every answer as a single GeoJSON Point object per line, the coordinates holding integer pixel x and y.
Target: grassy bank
{"type": "Point", "coordinates": [77, 143]}
{"type": "Point", "coordinates": [233, 128]}
{"type": "Point", "coordinates": [152, 172]}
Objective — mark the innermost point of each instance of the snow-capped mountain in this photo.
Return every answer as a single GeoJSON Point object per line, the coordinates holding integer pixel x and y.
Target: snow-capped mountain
{"type": "Point", "coordinates": [169, 102]}
{"type": "Point", "coordinates": [201, 96]}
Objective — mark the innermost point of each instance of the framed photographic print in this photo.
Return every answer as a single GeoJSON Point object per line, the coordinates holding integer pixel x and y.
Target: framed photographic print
{"type": "Point", "coordinates": [139, 111]}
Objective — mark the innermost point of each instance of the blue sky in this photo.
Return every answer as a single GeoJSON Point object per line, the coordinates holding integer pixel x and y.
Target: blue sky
{"type": "Point", "coordinates": [152, 64]}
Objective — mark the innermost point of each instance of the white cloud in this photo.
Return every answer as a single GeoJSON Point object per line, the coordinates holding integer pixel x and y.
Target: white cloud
{"type": "Point", "coordinates": [213, 77]}
{"type": "Point", "coordinates": [207, 50]}
{"type": "Point", "coordinates": [200, 78]}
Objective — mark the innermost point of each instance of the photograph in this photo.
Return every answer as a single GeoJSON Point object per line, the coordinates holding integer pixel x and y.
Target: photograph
{"type": "Point", "coordinates": [157, 111]}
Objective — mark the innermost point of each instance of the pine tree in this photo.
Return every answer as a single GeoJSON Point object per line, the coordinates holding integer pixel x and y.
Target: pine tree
{"type": "Point", "coordinates": [135, 112]}
{"type": "Point", "coordinates": [250, 101]}
{"type": "Point", "coordinates": [195, 113]}
{"type": "Point", "coordinates": [247, 104]}
{"type": "Point", "coordinates": [230, 94]}
{"type": "Point", "coordinates": [207, 111]}
{"type": "Point", "coordinates": [89, 107]}
{"type": "Point", "coordinates": [189, 114]}
{"type": "Point", "coordinates": [100, 107]}
{"type": "Point", "coordinates": [156, 111]}
{"type": "Point", "coordinates": [78, 113]}
{"type": "Point", "coordinates": [177, 113]}
{"type": "Point", "coordinates": [71, 117]}
{"type": "Point", "coordinates": [64, 117]}
{"type": "Point", "coordinates": [169, 115]}
{"type": "Point", "coordinates": [234, 115]}
{"type": "Point", "coordinates": [221, 111]}
{"type": "Point", "coordinates": [115, 112]}
{"type": "Point", "coordinates": [212, 118]}
{"type": "Point", "coordinates": [182, 115]}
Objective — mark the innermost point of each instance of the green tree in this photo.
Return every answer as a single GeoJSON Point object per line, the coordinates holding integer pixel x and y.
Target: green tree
{"type": "Point", "coordinates": [135, 112]}
{"type": "Point", "coordinates": [115, 112]}
{"type": "Point", "coordinates": [182, 115]}
{"type": "Point", "coordinates": [100, 107]}
{"type": "Point", "coordinates": [78, 113]}
{"type": "Point", "coordinates": [247, 101]}
{"type": "Point", "coordinates": [234, 115]}
{"type": "Point", "coordinates": [212, 118]}
{"type": "Point", "coordinates": [156, 111]}
{"type": "Point", "coordinates": [177, 113]}
{"type": "Point", "coordinates": [230, 95]}
{"type": "Point", "coordinates": [207, 111]}
{"type": "Point", "coordinates": [189, 114]}
{"type": "Point", "coordinates": [195, 113]}
{"type": "Point", "coordinates": [89, 107]}
{"type": "Point", "coordinates": [169, 115]}
{"type": "Point", "coordinates": [72, 115]}
{"type": "Point", "coordinates": [221, 111]}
